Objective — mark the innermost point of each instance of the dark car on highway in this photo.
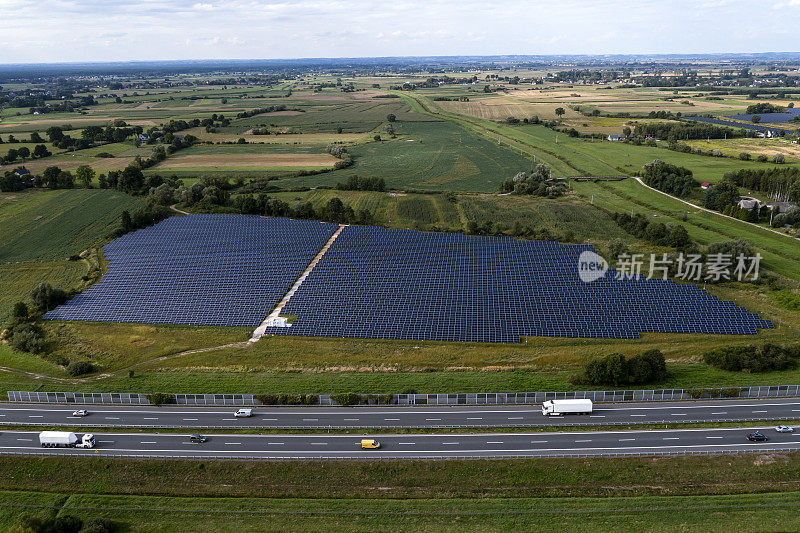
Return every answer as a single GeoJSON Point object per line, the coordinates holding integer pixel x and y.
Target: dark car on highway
{"type": "Point", "coordinates": [757, 437]}
{"type": "Point", "coordinates": [199, 439]}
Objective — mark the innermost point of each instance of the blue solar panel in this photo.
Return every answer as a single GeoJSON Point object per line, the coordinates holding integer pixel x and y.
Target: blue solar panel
{"type": "Point", "coordinates": [376, 283]}
{"type": "Point", "coordinates": [215, 270]}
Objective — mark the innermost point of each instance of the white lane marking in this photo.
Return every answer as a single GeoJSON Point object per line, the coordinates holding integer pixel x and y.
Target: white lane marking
{"type": "Point", "coordinates": [432, 419]}
{"type": "Point", "coordinates": [35, 416]}
{"type": "Point", "coordinates": [515, 418]}
{"type": "Point", "coordinates": [405, 443]}
{"type": "Point", "coordinates": [720, 413]}
{"type": "Point", "coordinates": [538, 441]}
{"type": "Point", "coordinates": [268, 419]}
{"type": "Point", "coordinates": [678, 414]}
{"type": "Point", "coordinates": [318, 443]}
{"type": "Point", "coordinates": [597, 416]}
{"type": "Point", "coordinates": [275, 443]}
{"type": "Point", "coordinates": [190, 419]}
{"type": "Point", "coordinates": [148, 442]}
{"type": "Point", "coordinates": [638, 415]}
{"type": "Point", "coordinates": [112, 418]}
{"type": "Point", "coordinates": [224, 419]}
{"type": "Point", "coordinates": [494, 442]}
{"type": "Point", "coordinates": [621, 440]}
{"type": "Point", "coordinates": [715, 437]}
{"type": "Point", "coordinates": [389, 419]}
{"type": "Point", "coordinates": [151, 418]}
{"type": "Point", "coordinates": [234, 443]}
{"type": "Point", "coordinates": [70, 416]}
{"type": "Point", "coordinates": [311, 420]}
{"type": "Point", "coordinates": [354, 419]}
{"type": "Point", "coordinates": [474, 418]}
{"type": "Point", "coordinates": [759, 411]}
{"type": "Point", "coordinates": [721, 404]}
{"type": "Point", "coordinates": [449, 443]}
{"type": "Point", "coordinates": [586, 440]}
{"type": "Point", "coordinates": [28, 440]}
{"type": "Point", "coordinates": [671, 438]}
{"type": "Point", "coordinates": [106, 441]}
{"type": "Point", "coordinates": [795, 410]}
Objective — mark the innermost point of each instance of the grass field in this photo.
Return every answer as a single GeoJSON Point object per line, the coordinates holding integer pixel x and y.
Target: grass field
{"type": "Point", "coordinates": [50, 225]}
{"type": "Point", "coordinates": [428, 155]}
{"type": "Point", "coordinates": [776, 511]}
{"type": "Point", "coordinates": [601, 494]}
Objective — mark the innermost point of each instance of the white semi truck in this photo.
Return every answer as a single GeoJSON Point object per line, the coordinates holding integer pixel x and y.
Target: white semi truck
{"type": "Point", "coordinates": [566, 407]}
{"type": "Point", "coordinates": [65, 439]}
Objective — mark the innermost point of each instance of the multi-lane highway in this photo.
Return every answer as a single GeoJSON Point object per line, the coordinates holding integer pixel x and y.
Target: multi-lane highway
{"type": "Point", "coordinates": [238, 446]}
{"type": "Point", "coordinates": [399, 417]}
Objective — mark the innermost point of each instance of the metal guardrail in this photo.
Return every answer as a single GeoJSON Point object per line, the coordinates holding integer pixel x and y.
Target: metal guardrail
{"type": "Point", "coordinates": [470, 398]}
{"type": "Point", "coordinates": [367, 457]}
{"type": "Point", "coordinates": [395, 426]}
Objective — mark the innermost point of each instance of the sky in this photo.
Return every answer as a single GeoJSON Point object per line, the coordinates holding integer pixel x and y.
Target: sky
{"type": "Point", "coordinates": [50, 31]}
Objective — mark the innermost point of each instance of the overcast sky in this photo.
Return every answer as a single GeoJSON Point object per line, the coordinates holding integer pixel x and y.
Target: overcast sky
{"type": "Point", "coordinates": [108, 30]}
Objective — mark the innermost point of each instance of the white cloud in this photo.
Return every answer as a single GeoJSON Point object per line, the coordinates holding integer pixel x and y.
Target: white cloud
{"type": "Point", "coordinates": [153, 29]}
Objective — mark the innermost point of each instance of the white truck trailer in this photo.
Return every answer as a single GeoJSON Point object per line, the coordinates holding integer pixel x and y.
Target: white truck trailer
{"type": "Point", "coordinates": [566, 407]}
{"type": "Point", "coordinates": [65, 439]}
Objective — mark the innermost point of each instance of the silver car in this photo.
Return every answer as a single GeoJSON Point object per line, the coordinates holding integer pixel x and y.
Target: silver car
{"type": "Point", "coordinates": [81, 413]}
{"type": "Point", "coordinates": [784, 429]}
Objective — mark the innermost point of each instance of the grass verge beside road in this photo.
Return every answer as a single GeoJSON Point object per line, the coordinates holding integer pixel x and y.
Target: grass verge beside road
{"type": "Point", "coordinates": [677, 513]}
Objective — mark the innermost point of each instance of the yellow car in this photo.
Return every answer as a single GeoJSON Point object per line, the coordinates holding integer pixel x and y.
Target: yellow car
{"type": "Point", "coordinates": [370, 444]}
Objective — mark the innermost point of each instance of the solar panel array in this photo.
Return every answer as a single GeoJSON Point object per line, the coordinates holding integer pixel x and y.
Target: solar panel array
{"type": "Point", "coordinates": [771, 118]}
{"type": "Point", "coordinates": [403, 284]}
{"type": "Point", "coordinates": [215, 270]}
{"type": "Point", "coordinates": [752, 127]}
{"type": "Point", "coordinates": [232, 270]}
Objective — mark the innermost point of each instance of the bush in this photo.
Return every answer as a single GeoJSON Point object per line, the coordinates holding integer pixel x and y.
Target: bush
{"type": "Point", "coordinates": [347, 398]}
{"type": "Point", "coordinates": [614, 369]}
{"type": "Point", "coordinates": [752, 358]}
{"type": "Point", "coordinates": [80, 368]}
{"type": "Point", "coordinates": [267, 399]}
{"type": "Point", "coordinates": [160, 398]}
{"type": "Point", "coordinates": [26, 338]}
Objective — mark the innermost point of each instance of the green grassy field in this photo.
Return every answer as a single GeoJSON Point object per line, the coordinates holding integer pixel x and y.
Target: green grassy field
{"type": "Point", "coordinates": [151, 513]}
{"type": "Point", "coordinates": [50, 225]}
{"type": "Point", "coordinates": [428, 155]}
{"type": "Point", "coordinates": [682, 493]}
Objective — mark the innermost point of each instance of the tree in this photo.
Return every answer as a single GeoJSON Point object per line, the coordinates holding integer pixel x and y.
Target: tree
{"type": "Point", "coordinates": [391, 117]}
{"type": "Point", "coordinates": [85, 175]}
{"type": "Point", "coordinates": [125, 224]}
{"type": "Point", "coordinates": [755, 119]}
{"type": "Point", "coordinates": [626, 131]}
{"type": "Point", "coordinates": [20, 311]}
{"type": "Point", "coordinates": [45, 297]}
{"type": "Point", "coordinates": [377, 137]}
{"type": "Point", "coordinates": [24, 152]}
{"type": "Point", "coordinates": [560, 111]}
{"type": "Point", "coordinates": [40, 151]}
{"type": "Point", "coordinates": [779, 159]}
{"type": "Point", "coordinates": [50, 176]}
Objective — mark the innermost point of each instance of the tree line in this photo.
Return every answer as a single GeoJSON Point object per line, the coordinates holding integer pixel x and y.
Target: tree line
{"type": "Point", "coordinates": [669, 178]}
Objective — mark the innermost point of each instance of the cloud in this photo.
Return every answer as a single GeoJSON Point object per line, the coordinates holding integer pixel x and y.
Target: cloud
{"type": "Point", "coordinates": [153, 29]}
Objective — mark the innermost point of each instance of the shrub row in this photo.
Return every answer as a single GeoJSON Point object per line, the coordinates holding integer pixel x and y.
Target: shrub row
{"type": "Point", "coordinates": [615, 369]}
{"type": "Point", "coordinates": [287, 399]}
{"type": "Point", "coordinates": [753, 358]}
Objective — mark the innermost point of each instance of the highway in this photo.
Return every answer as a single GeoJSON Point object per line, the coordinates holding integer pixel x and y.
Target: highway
{"type": "Point", "coordinates": [377, 417]}
{"type": "Point", "coordinates": [485, 445]}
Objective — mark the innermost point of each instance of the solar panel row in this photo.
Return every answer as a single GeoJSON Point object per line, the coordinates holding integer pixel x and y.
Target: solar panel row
{"type": "Point", "coordinates": [232, 270]}
{"type": "Point", "coordinates": [213, 270]}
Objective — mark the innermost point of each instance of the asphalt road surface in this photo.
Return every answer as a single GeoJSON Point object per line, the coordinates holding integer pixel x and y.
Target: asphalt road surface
{"type": "Point", "coordinates": [415, 446]}
{"type": "Point", "coordinates": [375, 417]}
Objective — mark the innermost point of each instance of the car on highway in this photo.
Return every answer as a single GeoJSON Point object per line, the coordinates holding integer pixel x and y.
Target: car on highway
{"type": "Point", "coordinates": [757, 437]}
{"type": "Point", "coordinates": [80, 412]}
{"type": "Point", "coordinates": [198, 439]}
{"type": "Point", "coordinates": [784, 429]}
{"type": "Point", "coordinates": [370, 444]}
{"type": "Point", "coordinates": [243, 413]}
